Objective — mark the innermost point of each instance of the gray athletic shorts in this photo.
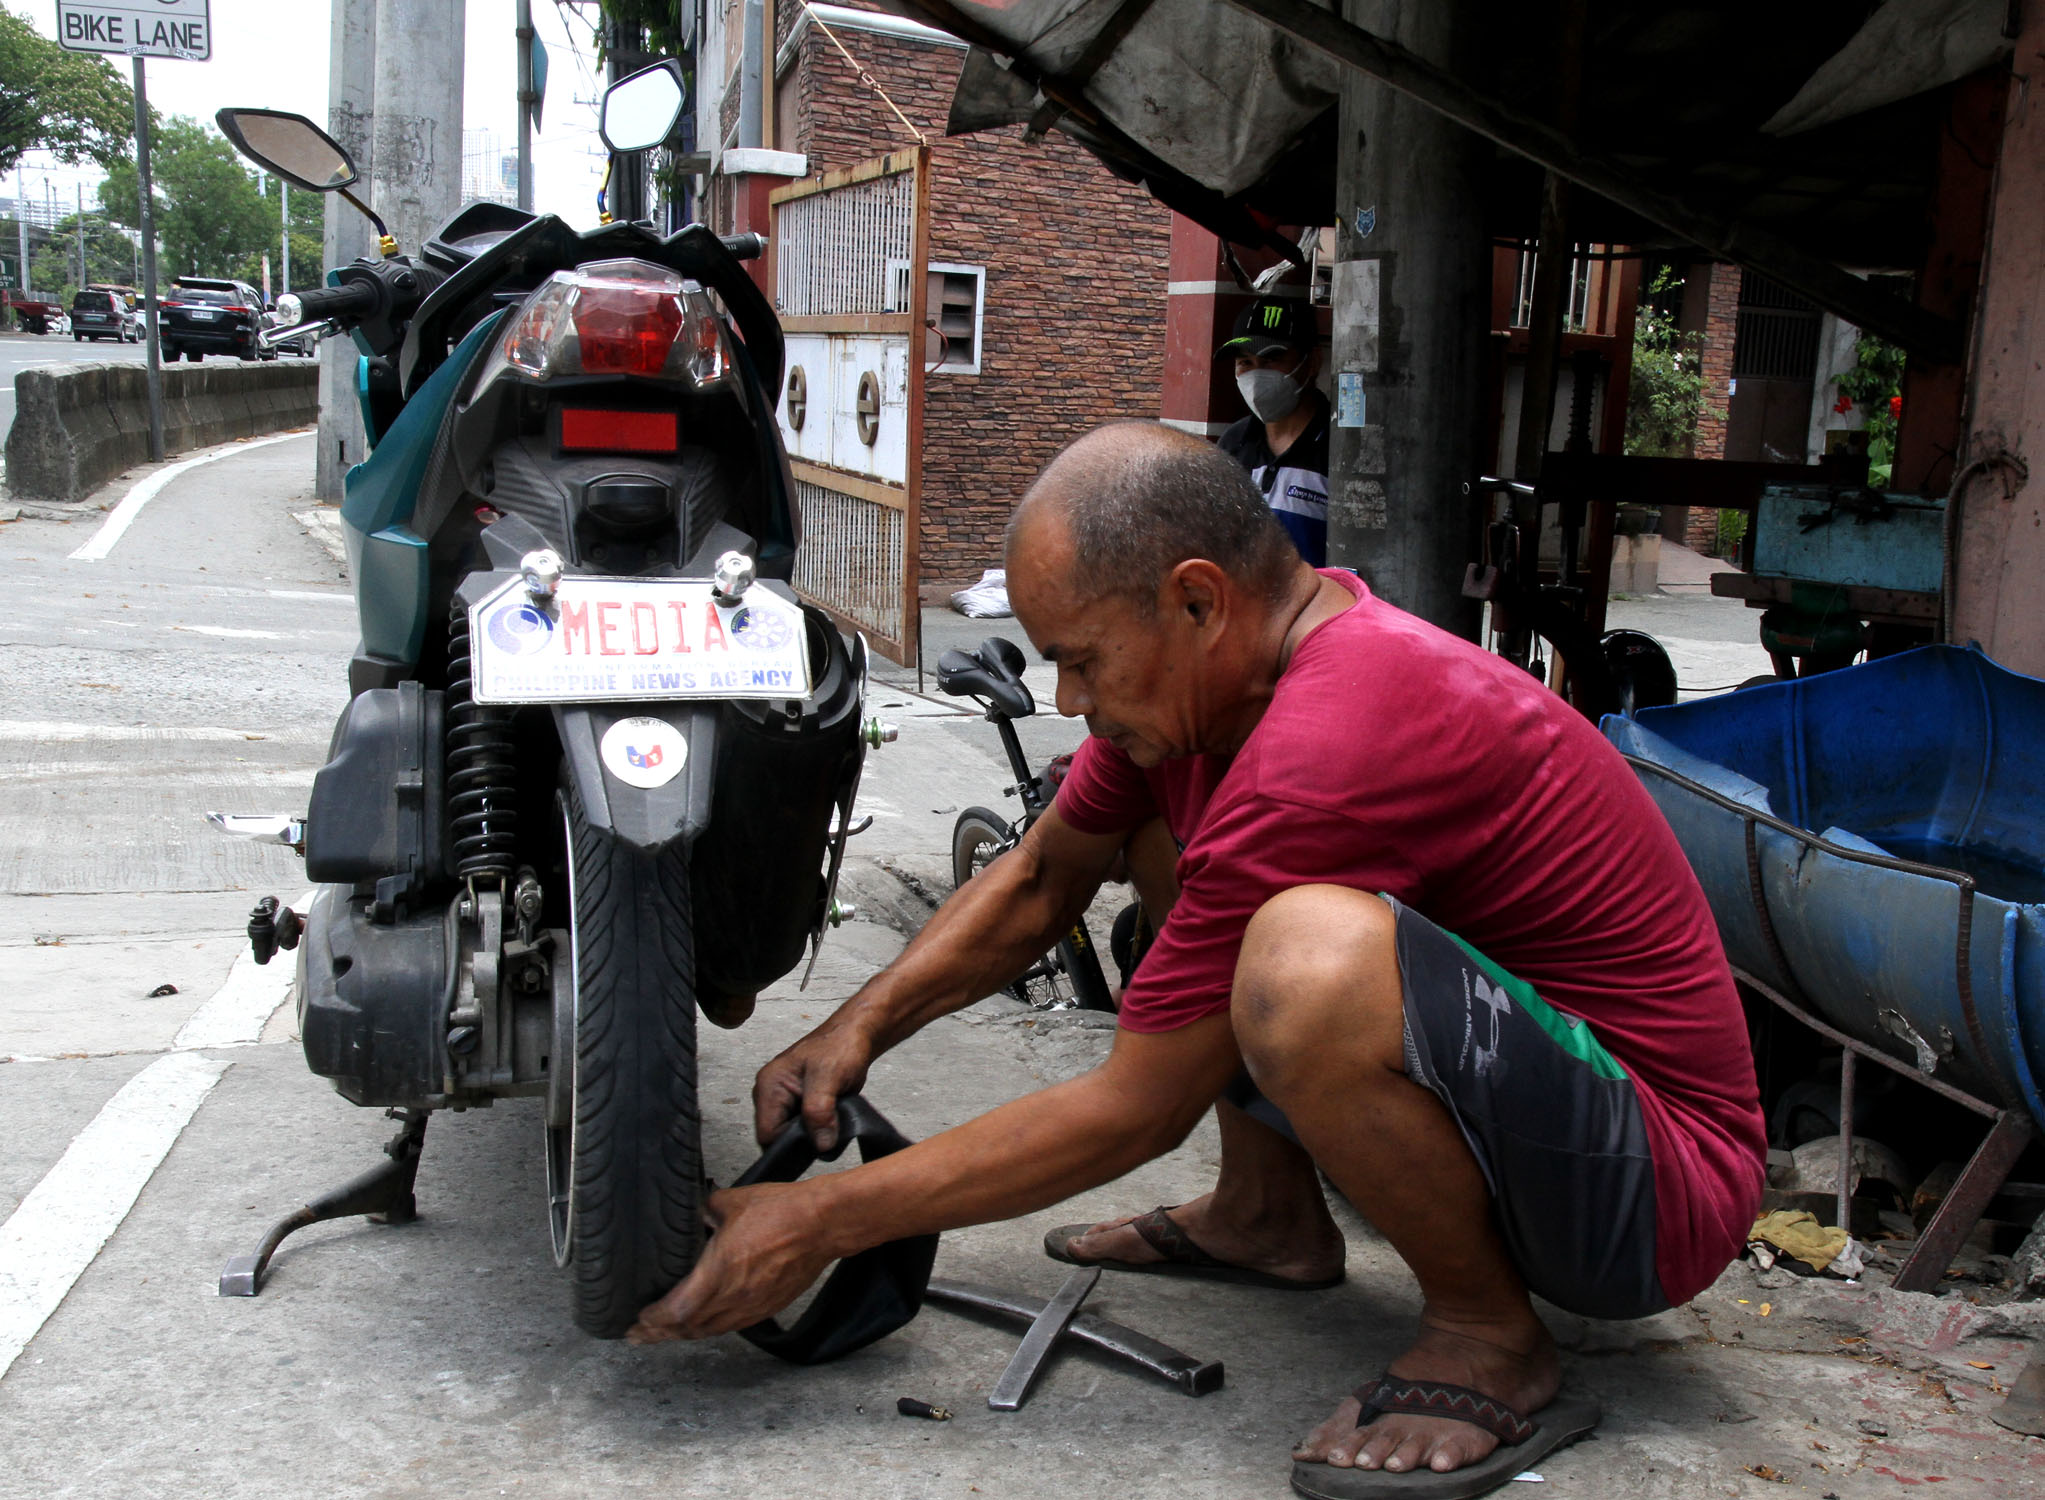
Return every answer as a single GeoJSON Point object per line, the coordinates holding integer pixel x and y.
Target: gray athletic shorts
{"type": "Point", "coordinates": [1550, 1116]}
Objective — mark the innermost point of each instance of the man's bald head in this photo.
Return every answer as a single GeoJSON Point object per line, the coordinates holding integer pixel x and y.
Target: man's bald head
{"type": "Point", "coordinates": [1136, 499]}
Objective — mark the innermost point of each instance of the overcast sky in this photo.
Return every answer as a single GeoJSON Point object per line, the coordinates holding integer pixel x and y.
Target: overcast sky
{"type": "Point", "coordinates": [273, 54]}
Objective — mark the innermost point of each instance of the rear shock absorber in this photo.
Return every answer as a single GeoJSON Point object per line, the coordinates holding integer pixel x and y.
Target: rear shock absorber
{"type": "Point", "coordinates": [482, 784]}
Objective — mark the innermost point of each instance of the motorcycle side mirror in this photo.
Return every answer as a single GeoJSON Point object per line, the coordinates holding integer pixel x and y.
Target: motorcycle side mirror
{"type": "Point", "coordinates": [290, 146]}
{"type": "Point", "coordinates": [642, 110]}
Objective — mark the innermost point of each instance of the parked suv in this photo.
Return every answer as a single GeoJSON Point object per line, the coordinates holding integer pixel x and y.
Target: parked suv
{"type": "Point", "coordinates": [201, 317]}
{"type": "Point", "coordinates": [100, 315]}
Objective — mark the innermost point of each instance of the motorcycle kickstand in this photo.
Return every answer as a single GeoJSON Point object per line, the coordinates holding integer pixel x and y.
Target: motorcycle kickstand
{"type": "Point", "coordinates": [383, 1194]}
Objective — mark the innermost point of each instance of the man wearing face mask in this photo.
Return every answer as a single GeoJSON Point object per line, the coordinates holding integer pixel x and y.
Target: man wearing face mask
{"type": "Point", "coordinates": [1284, 440]}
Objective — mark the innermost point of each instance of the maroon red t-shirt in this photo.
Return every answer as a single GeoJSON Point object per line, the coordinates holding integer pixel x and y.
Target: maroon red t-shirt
{"type": "Point", "coordinates": [1396, 757]}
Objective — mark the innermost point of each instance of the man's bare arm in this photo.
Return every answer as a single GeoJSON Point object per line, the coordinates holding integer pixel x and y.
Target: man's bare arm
{"type": "Point", "coordinates": [774, 1240]}
{"type": "Point", "coordinates": [989, 931]}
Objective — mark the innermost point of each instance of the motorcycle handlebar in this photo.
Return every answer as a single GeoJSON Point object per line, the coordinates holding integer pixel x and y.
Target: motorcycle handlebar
{"type": "Point", "coordinates": [745, 246]}
{"type": "Point", "coordinates": [351, 299]}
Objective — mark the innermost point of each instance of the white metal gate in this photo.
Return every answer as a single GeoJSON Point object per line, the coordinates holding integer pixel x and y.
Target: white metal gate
{"type": "Point", "coordinates": [849, 255]}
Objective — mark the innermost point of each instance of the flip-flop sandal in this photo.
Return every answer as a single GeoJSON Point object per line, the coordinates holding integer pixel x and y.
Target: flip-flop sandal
{"type": "Point", "coordinates": [1181, 1257]}
{"type": "Point", "coordinates": [1522, 1442]}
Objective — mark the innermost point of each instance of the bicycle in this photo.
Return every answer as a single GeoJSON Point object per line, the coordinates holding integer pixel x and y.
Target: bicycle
{"type": "Point", "coordinates": [1070, 974]}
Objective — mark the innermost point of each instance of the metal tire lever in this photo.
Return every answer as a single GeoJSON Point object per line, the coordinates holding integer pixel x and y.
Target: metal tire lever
{"type": "Point", "coordinates": [1013, 1388]}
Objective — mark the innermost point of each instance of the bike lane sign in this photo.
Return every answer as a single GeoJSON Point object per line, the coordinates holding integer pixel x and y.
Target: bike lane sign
{"type": "Point", "coordinates": [181, 29]}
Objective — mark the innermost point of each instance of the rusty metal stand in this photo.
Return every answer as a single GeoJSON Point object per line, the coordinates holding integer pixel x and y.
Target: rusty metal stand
{"type": "Point", "coordinates": [383, 1193]}
{"type": "Point", "coordinates": [1986, 1171]}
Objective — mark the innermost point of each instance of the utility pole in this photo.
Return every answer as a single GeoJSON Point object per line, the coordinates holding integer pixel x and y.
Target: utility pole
{"type": "Point", "coordinates": [80, 187]}
{"type": "Point", "coordinates": [21, 223]}
{"type": "Point", "coordinates": [418, 124]}
{"type": "Point", "coordinates": [1412, 317]}
{"type": "Point", "coordinates": [284, 214]}
{"type": "Point", "coordinates": [155, 376]}
{"type": "Point", "coordinates": [626, 197]}
{"type": "Point", "coordinates": [351, 95]}
{"type": "Point", "coordinates": [528, 101]}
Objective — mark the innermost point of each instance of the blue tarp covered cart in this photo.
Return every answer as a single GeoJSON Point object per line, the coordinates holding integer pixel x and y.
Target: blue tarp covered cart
{"type": "Point", "coordinates": [1872, 841]}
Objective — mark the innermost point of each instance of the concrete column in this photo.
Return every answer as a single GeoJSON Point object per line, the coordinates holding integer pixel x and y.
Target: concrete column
{"type": "Point", "coordinates": [351, 93]}
{"type": "Point", "coordinates": [2001, 485]}
{"type": "Point", "coordinates": [1412, 294]}
{"type": "Point", "coordinates": [418, 124]}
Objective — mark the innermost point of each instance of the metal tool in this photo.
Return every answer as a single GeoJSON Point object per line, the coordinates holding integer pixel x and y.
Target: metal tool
{"type": "Point", "coordinates": [1193, 1376]}
{"type": "Point", "coordinates": [1013, 1388]}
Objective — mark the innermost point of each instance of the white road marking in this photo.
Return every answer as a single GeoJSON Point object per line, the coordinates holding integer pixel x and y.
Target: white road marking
{"type": "Point", "coordinates": [228, 632]}
{"type": "Point", "coordinates": [123, 515]}
{"type": "Point", "coordinates": [334, 597]}
{"type": "Point", "coordinates": [65, 1221]}
{"type": "Point", "coordinates": [54, 731]}
{"type": "Point", "coordinates": [67, 1218]}
{"type": "Point", "coordinates": [241, 776]}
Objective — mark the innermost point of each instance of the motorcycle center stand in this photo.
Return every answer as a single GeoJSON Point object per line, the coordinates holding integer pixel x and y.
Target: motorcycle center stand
{"type": "Point", "coordinates": [383, 1193]}
{"type": "Point", "coordinates": [1058, 1320]}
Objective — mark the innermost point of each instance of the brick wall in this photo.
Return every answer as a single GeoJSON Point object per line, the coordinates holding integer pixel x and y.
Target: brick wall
{"type": "Point", "coordinates": [1072, 332]}
{"type": "Point", "coordinates": [1721, 326]}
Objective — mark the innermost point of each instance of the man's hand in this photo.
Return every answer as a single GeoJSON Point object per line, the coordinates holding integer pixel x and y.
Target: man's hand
{"type": "Point", "coordinates": [809, 1078]}
{"type": "Point", "coordinates": [769, 1246]}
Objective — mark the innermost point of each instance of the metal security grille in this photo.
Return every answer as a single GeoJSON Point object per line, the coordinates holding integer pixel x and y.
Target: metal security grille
{"type": "Point", "coordinates": [1777, 334]}
{"type": "Point", "coordinates": [852, 558]}
{"type": "Point", "coordinates": [843, 244]}
{"type": "Point", "coordinates": [834, 246]}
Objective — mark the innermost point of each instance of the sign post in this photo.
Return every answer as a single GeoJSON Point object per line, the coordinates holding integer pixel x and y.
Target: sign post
{"type": "Point", "coordinates": [154, 351]}
{"type": "Point", "coordinates": [181, 29]}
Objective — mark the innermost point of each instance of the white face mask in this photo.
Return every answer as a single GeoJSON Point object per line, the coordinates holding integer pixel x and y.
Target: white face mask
{"type": "Point", "coordinates": [1271, 395]}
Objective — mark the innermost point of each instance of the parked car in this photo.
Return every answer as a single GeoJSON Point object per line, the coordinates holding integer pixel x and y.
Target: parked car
{"type": "Point", "coordinates": [202, 316]}
{"type": "Point", "coordinates": [32, 315]}
{"type": "Point", "coordinates": [100, 315]}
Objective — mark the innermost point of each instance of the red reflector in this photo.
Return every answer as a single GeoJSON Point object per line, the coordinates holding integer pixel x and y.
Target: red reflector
{"type": "Point", "coordinates": [619, 431]}
{"type": "Point", "coordinates": [625, 330]}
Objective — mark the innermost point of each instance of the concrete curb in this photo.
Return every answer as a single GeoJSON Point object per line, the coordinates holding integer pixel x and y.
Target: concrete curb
{"type": "Point", "coordinates": [77, 427]}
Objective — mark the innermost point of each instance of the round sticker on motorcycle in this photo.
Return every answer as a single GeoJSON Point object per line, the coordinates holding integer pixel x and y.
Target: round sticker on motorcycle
{"type": "Point", "coordinates": [644, 752]}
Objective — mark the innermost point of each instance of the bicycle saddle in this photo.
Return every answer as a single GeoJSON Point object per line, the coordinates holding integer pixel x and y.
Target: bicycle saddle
{"type": "Point", "coordinates": [993, 673]}
{"type": "Point", "coordinates": [869, 1295]}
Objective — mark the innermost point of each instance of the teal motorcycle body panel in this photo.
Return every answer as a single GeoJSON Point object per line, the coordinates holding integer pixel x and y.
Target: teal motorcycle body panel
{"type": "Point", "coordinates": [385, 556]}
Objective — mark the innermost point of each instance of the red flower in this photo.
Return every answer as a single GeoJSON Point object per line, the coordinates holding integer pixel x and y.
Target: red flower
{"type": "Point", "coordinates": [1843, 405]}
{"type": "Point", "coordinates": [1896, 408]}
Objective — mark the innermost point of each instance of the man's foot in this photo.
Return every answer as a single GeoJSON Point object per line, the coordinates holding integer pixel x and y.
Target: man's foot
{"type": "Point", "coordinates": [1305, 1246]}
{"type": "Point", "coordinates": [1516, 1367]}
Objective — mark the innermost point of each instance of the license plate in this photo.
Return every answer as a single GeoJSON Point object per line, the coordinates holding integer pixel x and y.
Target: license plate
{"type": "Point", "coordinates": [205, 317]}
{"type": "Point", "coordinates": [601, 640]}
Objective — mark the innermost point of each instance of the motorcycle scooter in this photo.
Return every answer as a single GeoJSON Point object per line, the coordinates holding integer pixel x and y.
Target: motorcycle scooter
{"type": "Point", "coordinates": [598, 764]}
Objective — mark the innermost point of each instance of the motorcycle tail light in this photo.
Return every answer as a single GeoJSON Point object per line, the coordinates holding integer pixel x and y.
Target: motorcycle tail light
{"type": "Point", "coordinates": [615, 317]}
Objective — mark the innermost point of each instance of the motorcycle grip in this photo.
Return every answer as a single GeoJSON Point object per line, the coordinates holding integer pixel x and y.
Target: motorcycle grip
{"type": "Point", "coordinates": [350, 299]}
{"type": "Point", "coordinates": [745, 246]}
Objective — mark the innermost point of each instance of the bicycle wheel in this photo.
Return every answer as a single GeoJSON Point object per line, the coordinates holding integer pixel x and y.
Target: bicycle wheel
{"type": "Point", "coordinates": [1070, 974]}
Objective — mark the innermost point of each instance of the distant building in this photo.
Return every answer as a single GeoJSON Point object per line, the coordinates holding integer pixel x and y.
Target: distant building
{"type": "Point", "coordinates": [489, 173]}
{"type": "Point", "coordinates": [1046, 275]}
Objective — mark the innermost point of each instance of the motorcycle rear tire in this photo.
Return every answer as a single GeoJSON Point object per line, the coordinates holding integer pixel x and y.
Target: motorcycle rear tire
{"type": "Point", "coordinates": [632, 1159]}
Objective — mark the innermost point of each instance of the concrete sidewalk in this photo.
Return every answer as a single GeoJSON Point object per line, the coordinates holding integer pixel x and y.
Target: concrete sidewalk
{"type": "Point", "coordinates": [409, 1362]}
